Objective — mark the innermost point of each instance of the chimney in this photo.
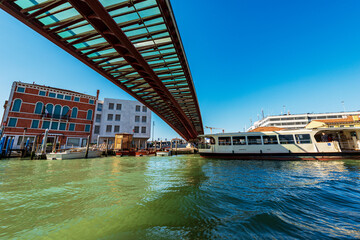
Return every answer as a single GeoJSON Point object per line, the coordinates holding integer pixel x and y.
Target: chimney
{"type": "Point", "coordinates": [97, 94]}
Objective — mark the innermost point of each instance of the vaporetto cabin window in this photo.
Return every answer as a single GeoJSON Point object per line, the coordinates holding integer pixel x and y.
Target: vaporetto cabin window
{"type": "Point", "coordinates": [206, 142]}
{"type": "Point", "coordinates": [239, 140]}
{"type": "Point", "coordinates": [254, 140]}
{"type": "Point", "coordinates": [303, 138]}
{"type": "Point", "coordinates": [286, 139]}
{"type": "Point", "coordinates": [270, 139]}
{"type": "Point", "coordinates": [224, 140]}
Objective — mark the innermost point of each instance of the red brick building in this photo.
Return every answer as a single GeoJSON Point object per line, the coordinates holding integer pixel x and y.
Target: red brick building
{"type": "Point", "coordinates": [32, 108]}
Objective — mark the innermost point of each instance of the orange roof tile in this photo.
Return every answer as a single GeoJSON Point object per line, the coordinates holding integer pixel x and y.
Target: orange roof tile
{"type": "Point", "coordinates": [348, 119]}
{"type": "Point", "coordinates": [266, 129]}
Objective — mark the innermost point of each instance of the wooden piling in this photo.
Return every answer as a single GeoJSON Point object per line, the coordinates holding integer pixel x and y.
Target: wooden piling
{"type": "Point", "coordinates": [33, 148]}
{"type": "Point", "coordinates": [87, 147]}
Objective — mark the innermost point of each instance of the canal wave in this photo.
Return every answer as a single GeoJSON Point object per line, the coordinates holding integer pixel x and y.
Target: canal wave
{"type": "Point", "coordinates": [179, 197]}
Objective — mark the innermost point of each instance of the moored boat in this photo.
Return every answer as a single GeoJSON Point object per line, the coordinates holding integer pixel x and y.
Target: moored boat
{"type": "Point", "coordinates": [303, 144]}
{"type": "Point", "coordinates": [163, 153]}
{"type": "Point", "coordinates": [73, 154]}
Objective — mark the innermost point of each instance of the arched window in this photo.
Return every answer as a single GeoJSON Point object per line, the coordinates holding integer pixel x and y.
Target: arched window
{"type": "Point", "coordinates": [16, 105]}
{"type": "Point", "coordinates": [39, 108]}
{"type": "Point", "coordinates": [57, 110]}
{"type": "Point", "coordinates": [74, 112]}
{"type": "Point", "coordinates": [89, 114]}
{"type": "Point", "coordinates": [49, 108]}
{"type": "Point", "coordinates": [65, 111]}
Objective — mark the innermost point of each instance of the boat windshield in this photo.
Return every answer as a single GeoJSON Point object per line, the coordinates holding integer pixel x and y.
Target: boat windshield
{"type": "Point", "coordinates": [206, 142]}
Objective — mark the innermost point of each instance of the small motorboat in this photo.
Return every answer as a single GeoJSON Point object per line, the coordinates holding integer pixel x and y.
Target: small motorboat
{"type": "Point", "coordinates": [162, 154]}
{"type": "Point", "coordinates": [76, 153]}
{"type": "Point", "coordinates": [143, 152]}
{"type": "Point", "coordinates": [122, 153]}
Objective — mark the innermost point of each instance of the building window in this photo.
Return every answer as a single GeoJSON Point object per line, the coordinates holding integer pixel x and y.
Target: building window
{"type": "Point", "coordinates": [54, 125]}
{"type": "Point", "coordinates": [74, 142]}
{"type": "Point", "coordinates": [136, 129]}
{"type": "Point", "coordinates": [87, 128]}
{"type": "Point", "coordinates": [303, 138]}
{"type": "Point", "coordinates": [98, 118]}
{"type": "Point", "coordinates": [89, 114]}
{"type": "Point", "coordinates": [31, 140]}
{"type": "Point", "coordinates": [239, 140]}
{"type": "Point", "coordinates": [60, 96]}
{"type": "Point", "coordinates": [74, 112]}
{"type": "Point", "coordinates": [143, 129]}
{"type": "Point", "coordinates": [137, 118]}
{"type": "Point", "coordinates": [65, 111]}
{"type": "Point", "coordinates": [144, 109]}
{"type": "Point", "coordinates": [35, 124]}
{"type": "Point", "coordinates": [117, 128]}
{"type": "Point", "coordinates": [137, 109]}
{"type": "Point", "coordinates": [51, 94]}
{"type": "Point", "coordinates": [91, 101]}
{"type": "Point", "coordinates": [143, 119]}
{"type": "Point", "coordinates": [224, 140]}
{"type": "Point", "coordinates": [97, 129]}
{"type": "Point", "coordinates": [45, 124]}
{"type": "Point", "coordinates": [62, 126]}
{"type": "Point", "coordinates": [110, 117]}
{"type": "Point", "coordinates": [99, 107]}
{"type": "Point", "coordinates": [111, 106]}
{"type": "Point", "coordinates": [118, 106]}
{"type": "Point", "coordinates": [108, 128]}
{"type": "Point", "coordinates": [72, 127]}
{"type": "Point", "coordinates": [16, 105]}
{"type": "Point", "coordinates": [42, 93]}
{"type": "Point", "coordinates": [39, 108]}
{"type": "Point", "coordinates": [20, 89]}
{"type": "Point", "coordinates": [49, 109]}
{"type": "Point", "coordinates": [286, 139]}
{"type": "Point", "coordinates": [76, 99]}
{"type": "Point", "coordinates": [12, 122]}
{"type": "Point", "coordinates": [254, 140]}
{"type": "Point", "coordinates": [57, 111]}
{"type": "Point", "coordinates": [67, 97]}
{"type": "Point", "coordinates": [117, 117]}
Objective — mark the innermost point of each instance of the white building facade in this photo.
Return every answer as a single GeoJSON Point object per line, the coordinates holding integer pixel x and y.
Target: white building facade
{"type": "Point", "coordinates": [114, 116]}
{"type": "Point", "coordinates": [296, 121]}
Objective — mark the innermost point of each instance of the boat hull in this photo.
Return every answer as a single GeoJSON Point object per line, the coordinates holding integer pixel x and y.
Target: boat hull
{"type": "Point", "coordinates": [72, 155]}
{"type": "Point", "coordinates": [163, 154]}
{"type": "Point", "coordinates": [125, 153]}
{"type": "Point", "coordinates": [284, 156]}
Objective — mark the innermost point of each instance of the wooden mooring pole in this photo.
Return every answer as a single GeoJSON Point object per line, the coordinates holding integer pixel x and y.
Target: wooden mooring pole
{"type": "Point", "coordinates": [87, 147]}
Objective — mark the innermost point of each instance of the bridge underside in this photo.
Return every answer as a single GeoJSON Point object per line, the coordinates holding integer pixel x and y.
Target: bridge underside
{"type": "Point", "coordinates": [134, 43]}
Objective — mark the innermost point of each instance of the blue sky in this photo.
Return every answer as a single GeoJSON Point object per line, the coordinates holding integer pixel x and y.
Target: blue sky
{"type": "Point", "coordinates": [244, 56]}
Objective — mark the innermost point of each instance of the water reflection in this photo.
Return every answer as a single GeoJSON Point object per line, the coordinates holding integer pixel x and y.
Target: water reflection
{"type": "Point", "coordinates": [178, 197]}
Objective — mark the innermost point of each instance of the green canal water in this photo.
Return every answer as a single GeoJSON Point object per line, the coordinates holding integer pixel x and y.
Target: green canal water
{"type": "Point", "coordinates": [179, 197]}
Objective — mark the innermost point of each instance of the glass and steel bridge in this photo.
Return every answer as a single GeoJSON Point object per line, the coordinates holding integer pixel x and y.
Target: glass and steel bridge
{"type": "Point", "coordinates": [134, 43]}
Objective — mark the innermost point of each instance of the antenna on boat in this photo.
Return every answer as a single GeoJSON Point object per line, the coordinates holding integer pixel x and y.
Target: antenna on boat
{"type": "Point", "coordinates": [343, 104]}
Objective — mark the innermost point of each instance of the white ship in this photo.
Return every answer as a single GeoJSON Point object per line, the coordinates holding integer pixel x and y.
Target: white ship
{"type": "Point", "coordinates": [305, 144]}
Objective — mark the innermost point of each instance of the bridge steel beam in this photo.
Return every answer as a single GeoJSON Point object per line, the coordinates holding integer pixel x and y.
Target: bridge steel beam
{"type": "Point", "coordinates": [98, 16]}
{"type": "Point", "coordinates": [94, 12]}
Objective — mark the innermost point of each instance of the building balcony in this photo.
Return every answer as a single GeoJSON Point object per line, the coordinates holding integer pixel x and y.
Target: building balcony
{"type": "Point", "coordinates": [55, 116]}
